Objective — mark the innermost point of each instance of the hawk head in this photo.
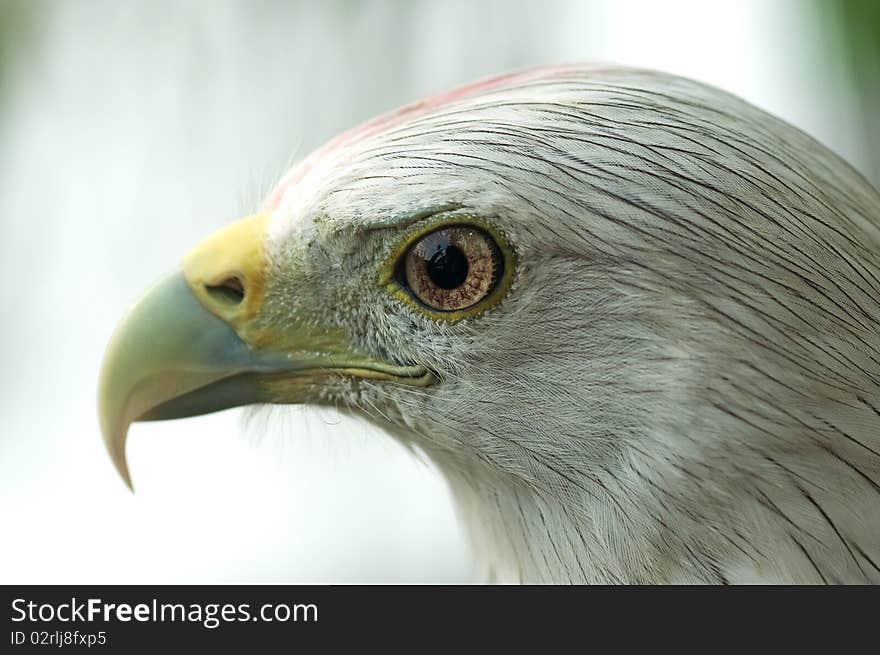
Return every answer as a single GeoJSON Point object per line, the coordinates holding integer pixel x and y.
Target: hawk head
{"type": "Point", "coordinates": [632, 319]}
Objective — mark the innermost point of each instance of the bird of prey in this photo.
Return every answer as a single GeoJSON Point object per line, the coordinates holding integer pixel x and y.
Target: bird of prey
{"type": "Point", "coordinates": [633, 320]}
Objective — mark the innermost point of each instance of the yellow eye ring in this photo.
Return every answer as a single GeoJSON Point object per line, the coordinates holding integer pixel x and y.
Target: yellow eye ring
{"type": "Point", "coordinates": [390, 278]}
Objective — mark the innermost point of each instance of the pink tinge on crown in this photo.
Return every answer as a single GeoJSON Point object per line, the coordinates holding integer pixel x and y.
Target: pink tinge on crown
{"type": "Point", "coordinates": [398, 116]}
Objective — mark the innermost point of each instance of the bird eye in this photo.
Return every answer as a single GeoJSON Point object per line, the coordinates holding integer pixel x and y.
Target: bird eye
{"type": "Point", "coordinates": [452, 268]}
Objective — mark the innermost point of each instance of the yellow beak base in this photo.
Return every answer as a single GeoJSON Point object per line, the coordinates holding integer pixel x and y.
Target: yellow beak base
{"type": "Point", "coordinates": [191, 345]}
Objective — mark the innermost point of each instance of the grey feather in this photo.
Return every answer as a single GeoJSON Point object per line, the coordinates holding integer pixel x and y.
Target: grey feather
{"type": "Point", "coordinates": [682, 384]}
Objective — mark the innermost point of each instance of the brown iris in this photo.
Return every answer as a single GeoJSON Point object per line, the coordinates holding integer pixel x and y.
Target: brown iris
{"type": "Point", "coordinates": [452, 268]}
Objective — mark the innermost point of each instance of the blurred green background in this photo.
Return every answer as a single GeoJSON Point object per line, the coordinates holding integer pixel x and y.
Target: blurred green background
{"type": "Point", "coordinates": [854, 26]}
{"type": "Point", "coordinates": [130, 130]}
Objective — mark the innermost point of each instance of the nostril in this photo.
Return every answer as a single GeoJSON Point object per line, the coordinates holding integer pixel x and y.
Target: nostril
{"type": "Point", "coordinates": [230, 291]}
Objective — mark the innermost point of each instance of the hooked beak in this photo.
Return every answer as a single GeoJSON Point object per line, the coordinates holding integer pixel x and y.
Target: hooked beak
{"type": "Point", "coordinates": [193, 345]}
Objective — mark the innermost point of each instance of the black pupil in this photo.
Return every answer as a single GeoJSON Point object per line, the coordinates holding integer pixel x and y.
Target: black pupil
{"type": "Point", "coordinates": [447, 266]}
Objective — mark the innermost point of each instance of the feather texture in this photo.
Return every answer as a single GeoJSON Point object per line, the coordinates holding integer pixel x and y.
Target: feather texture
{"type": "Point", "coordinates": [682, 384]}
